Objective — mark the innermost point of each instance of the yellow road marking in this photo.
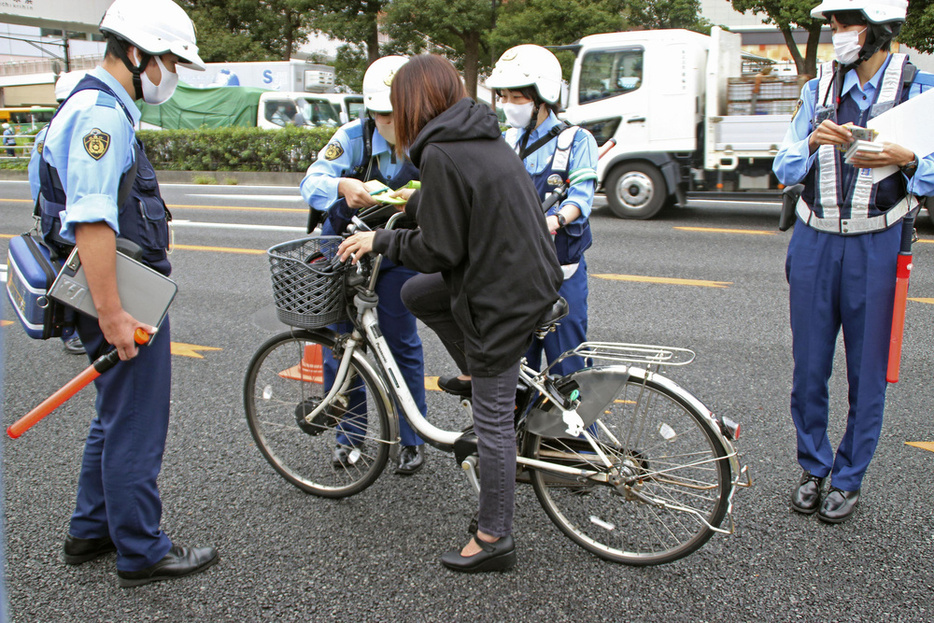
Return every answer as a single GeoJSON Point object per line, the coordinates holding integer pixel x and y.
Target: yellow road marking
{"type": "Point", "coordinates": [925, 241]}
{"type": "Point", "coordinates": [18, 200]}
{"type": "Point", "coordinates": [718, 230]}
{"type": "Point", "coordinates": [189, 350]}
{"type": "Point", "coordinates": [4, 323]}
{"type": "Point", "coordinates": [929, 301]}
{"type": "Point", "coordinates": [8, 235]}
{"type": "Point", "coordinates": [195, 247]}
{"type": "Point", "coordinates": [924, 445]}
{"type": "Point", "coordinates": [667, 280]}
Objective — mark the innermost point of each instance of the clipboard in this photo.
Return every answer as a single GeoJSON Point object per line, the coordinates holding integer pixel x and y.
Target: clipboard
{"type": "Point", "coordinates": [145, 293]}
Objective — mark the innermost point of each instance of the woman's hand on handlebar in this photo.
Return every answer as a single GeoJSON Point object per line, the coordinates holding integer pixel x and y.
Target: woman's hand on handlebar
{"type": "Point", "coordinates": [356, 246]}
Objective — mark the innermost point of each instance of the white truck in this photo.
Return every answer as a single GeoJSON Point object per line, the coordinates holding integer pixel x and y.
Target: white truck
{"type": "Point", "coordinates": [278, 109]}
{"type": "Point", "coordinates": [684, 117]}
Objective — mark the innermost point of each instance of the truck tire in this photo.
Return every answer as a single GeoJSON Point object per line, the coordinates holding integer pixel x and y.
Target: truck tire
{"type": "Point", "coordinates": [636, 190]}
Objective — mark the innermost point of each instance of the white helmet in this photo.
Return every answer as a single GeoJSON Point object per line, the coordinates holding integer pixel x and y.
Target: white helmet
{"type": "Point", "coordinates": [377, 82]}
{"type": "Point", "coordinates": [155, 27]}
{"type": "Point", "coordinates": [526, 66]}
{"type": "Point", "coordinates": [66, 83]}
{"type": "Point", "coordinates": [876, 11]}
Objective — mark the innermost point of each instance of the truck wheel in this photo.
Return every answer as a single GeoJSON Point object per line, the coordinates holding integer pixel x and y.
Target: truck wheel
{"type": "Point", "coordinates": [636, 190]}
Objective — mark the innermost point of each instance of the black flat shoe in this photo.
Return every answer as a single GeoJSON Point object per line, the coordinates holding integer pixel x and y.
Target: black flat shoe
{"type": "Point", "coordinates": [498, 556]}
{"type": "Point", "coordinates": [411, 459]}
{"type": "Point", "coordinates": [806, 496]}
{"type": "Point", "coordinates": [179, 562]}
{"type": "Point", "coordinates": [454, 385]}
{"type": "Point", "coordinates": [838, 505]}
{"type": "Point", "coordinates": [78, 550]}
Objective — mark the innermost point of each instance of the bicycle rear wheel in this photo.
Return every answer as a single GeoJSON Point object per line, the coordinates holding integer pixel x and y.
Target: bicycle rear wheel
{"type": "Point", "coordinates": [339, 452]}
{"type": "Point", "coordinates": [669, 480]}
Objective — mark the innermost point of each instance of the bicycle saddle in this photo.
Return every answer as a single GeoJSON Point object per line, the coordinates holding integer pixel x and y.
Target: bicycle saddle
{"type": "Point", "coordinates": [558, 311]}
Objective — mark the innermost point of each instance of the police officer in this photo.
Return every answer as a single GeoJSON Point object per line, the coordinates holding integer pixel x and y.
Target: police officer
{"type": "Point", "coordinates": [9, 140]}
{"type": "Point", "coordinates": [360, 151]}
{"type": "Point", "coordinates": [527, 79]}
{"type": "Point", "coordinates": [96, 185]}
{"type": "Point", "coordinates": [63, 87]}
{"type": "Point", "coordinates": [842, 255]}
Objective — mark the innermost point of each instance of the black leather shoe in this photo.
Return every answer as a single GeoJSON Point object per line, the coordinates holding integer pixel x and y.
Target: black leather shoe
{"type": "Point", "coordinates": [74, 346]}
{"type": "Point", "coordinates": [179, 562]}
{"type": "Point", "coordinates": [411, 459]}
{"type": "Point", "coordinates": [838, 505]}
{"type": "Point", "coordinates": [806, 496]}
{"type": "Point", "coordinates": [498, 556]}
{"type": "Point", "coordinates": [454, 385]}
{"type": "Point", "coordinates": [78, 550]}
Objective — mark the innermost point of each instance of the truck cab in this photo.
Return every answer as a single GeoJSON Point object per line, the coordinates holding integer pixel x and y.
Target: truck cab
{"type": "Point", "coordinates": [663, 96]}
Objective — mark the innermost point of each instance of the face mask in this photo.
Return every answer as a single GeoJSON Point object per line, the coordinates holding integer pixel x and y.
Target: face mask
{"type": "Point", "coordinates": [159, 94]}
{"type": "Point", "coordinates": [846, 46]}
{"type": "Point", "coordinates": [519, 115]}
{"type": "Point", "coordinates": [387, 131]}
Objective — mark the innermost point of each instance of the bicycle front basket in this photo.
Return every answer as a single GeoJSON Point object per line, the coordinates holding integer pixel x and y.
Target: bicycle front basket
{"type": "Point", "coordinates": [308, 282]}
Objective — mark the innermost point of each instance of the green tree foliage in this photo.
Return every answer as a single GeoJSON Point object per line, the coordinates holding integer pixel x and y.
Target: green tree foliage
{"type": "Point", "coordinates": [457, 24]}
{"type": "Point", "coordinates": [787, 15]}
{"type": "Point", "coordinates": [250, 30]}
{"type": "Point", "coordinates": [918, 31]}
{"type": "Point", "coordinates": [353, 21]}
{"type": "Point", "coordinates": [654, 14]}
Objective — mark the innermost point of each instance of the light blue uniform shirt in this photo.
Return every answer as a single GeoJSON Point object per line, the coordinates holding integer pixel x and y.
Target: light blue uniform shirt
{"type": "Point", "coordinates": [343, 154]}
{"type": "Point", "coordinates": [583, 156]}
{"type": "Point", "coordinates": [91, 145]}
{"type": "Point", "coordinates": [794, 158]}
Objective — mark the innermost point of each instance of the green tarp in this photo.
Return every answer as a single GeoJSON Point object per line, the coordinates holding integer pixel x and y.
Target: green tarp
{"type": "Point", "coordinates": [191, 108]}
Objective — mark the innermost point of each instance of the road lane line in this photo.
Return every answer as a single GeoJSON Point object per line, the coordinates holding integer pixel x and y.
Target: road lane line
{"type": "Point", "coordinates": [206, 225]}
{"type": "Point", "coordinates": [196, 247]}
{"type": "Point", "coordinates": [719, 230]}
{"type": "Point", "coordinates": [928, 301]}
{"type": "Point", "coordinates": [235, 208]}
{"type": "Point", "coordinates": [293, 198]}
{"type": "Point", "coordinates": [666, 280]}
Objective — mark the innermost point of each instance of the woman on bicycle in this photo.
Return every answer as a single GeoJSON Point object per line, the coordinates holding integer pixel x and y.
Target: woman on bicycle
{"type": "Point", "coordinates": [480, 227]}
{"type": "Point", "coordinates": [360, 151]}
{"type": "Point", "coordinates": [527, 79]}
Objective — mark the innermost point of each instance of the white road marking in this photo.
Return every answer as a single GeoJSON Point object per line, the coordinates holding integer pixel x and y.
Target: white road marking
{"type": "Point", "coordinates": [184, 223]}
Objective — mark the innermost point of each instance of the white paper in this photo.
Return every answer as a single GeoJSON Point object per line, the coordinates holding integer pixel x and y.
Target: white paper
{"type": "Point", "coordinates": [909, 125]}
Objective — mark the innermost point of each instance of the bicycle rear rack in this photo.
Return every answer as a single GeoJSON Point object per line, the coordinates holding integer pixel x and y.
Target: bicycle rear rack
{"type": "Point", "coordinates": [630, 353]}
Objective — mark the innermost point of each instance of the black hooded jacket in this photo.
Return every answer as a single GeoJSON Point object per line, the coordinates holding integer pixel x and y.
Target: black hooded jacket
{"type": "Point", "coordinates": [480, 225]}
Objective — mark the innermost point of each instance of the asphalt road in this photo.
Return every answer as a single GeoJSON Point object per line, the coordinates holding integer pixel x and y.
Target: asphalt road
{"type": "Point", "coordinates": [708, 278]}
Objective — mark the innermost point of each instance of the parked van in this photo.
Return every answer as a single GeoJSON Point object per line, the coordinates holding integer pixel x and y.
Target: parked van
{"type": "Point", "coordinates": [277, 110]}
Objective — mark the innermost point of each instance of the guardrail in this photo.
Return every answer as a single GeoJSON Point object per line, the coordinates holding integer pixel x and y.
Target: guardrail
{"type": "Point", "coordinates": [22, 148]}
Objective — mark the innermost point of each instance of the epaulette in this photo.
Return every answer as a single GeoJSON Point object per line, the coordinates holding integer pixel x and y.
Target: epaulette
{"type": "Point", "coordinates": [105, 100]}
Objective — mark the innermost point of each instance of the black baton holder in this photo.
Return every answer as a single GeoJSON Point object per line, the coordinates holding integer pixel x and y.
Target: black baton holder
{"type": "Point", "coordinates": [790, 197]}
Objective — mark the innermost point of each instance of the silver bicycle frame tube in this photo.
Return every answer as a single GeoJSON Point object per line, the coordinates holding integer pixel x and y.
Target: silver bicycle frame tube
{"type": "Point", "coordinates": [398, 387]}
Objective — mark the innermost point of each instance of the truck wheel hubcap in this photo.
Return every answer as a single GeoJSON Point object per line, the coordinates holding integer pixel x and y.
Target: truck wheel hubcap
{"type": "Point", "coordinates": [635, 189]}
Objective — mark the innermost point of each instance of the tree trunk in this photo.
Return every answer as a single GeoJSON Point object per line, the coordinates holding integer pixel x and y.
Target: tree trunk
{"type": "Point", "coordinates": [810, 64]}
{"type": "Point", "coordinates": [471, 61]}
{"type": "Point", "coordinates": [793, 48]}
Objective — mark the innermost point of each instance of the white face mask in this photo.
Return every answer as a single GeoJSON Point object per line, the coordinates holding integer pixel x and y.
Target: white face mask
{"type": "Point", "coordinates": [846, 46]}
{"type": "Point", "coordinates": [386, 130]}
{"type": "Point", "coordinates": [159, 93]}
{"type": "Point", "coordinates": [519, 115]}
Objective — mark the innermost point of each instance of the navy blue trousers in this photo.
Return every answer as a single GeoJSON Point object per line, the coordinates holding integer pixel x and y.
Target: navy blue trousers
{"type": "Point", "coordinates": [117, 490]}
{"type": "Point", "coordinates": [839, 282]}
{"type": "Point", "coordinates": [399, 328]}
{"type": "Point", "coordinates": [570, 332]}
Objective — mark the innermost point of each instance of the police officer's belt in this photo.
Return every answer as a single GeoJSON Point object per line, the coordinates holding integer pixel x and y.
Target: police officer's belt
{"type": "Point", "coordinates": [853, 226]}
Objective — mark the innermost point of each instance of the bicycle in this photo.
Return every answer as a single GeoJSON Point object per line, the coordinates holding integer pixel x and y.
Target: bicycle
{"type": "Point", "coordinates": [626, 463]}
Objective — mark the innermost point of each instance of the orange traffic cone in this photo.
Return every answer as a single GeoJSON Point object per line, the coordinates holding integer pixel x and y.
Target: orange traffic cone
{"type": "Point", "coordinates": [311, 368]}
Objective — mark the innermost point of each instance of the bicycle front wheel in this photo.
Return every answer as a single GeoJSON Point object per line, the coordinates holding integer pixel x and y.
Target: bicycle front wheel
{"type": "Point", "coordinates": [668, 483]}
{"type": "Point", "coordinates": [338, 452]}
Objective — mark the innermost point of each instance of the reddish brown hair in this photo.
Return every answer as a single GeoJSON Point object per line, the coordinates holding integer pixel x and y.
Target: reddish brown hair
{"type": "Point", "coordinates": [422, 89]}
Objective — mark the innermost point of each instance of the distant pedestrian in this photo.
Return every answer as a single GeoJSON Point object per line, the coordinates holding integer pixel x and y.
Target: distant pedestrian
{"type": "Point", "coordinates": [8, 139]}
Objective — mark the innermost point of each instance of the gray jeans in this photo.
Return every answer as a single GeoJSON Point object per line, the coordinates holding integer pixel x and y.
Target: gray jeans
{"type": "Point", "coordinates": [494, 401]}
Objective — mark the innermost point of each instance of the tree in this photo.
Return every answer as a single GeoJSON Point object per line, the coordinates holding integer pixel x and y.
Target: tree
{"type": "Point", "coordinates": [250, 30]}
{"type": "Point", "coordinates": [788, 14]}
{"type": "Point", "coordinates": [353, 21]}
{"type": "Point", "coordinates": [457, 24]}
{"type": "Point", "coordinates": [655, 14]}
{"type": "Point", "coordinates": [918, 31]}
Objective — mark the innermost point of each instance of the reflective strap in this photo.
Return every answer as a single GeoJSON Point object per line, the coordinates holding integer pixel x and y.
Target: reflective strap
{"type": "Point", "coordinates": [826, 154]}
{"type": "Point", "coordinates": [851, 227]}
{"type": "Point", "coordinates": [562, 157]}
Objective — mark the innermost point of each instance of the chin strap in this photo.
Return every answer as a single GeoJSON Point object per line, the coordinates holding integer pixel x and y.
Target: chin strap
{"type": "Point", "coordinates": [135, 70]}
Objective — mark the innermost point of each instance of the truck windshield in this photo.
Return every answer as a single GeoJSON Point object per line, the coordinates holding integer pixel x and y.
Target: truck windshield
{"type": "Point", "coordinates": [609, 73]}
{"type": "Point", "coordinates": [319, 112]}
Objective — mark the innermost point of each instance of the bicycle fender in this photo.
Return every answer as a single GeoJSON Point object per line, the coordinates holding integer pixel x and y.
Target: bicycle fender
{"type": "Point", "coordinates": [597, 386]}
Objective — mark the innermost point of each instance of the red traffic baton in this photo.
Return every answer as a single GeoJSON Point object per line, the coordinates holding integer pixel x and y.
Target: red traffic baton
{"type": "Point", "coordinates": [72, 387]}
{"type": "Point", "coordinates": [902, 274]}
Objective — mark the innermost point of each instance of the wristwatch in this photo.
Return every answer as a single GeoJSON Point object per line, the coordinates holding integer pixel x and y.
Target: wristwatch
{"type": "Point", "coordinates": [910, 168]}
{"type": "Point", "coordinates": [561, 220]}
